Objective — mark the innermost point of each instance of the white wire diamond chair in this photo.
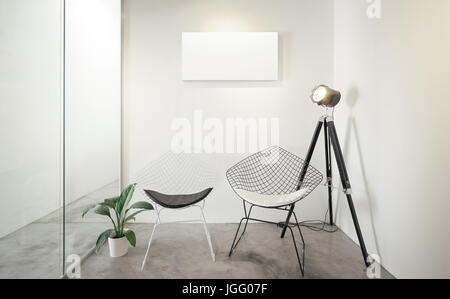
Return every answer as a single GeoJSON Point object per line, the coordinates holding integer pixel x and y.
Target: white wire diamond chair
{"type": "Point", "coordinates": [174, 182]}
{"type": "Point", "coordinates": [273, 179]}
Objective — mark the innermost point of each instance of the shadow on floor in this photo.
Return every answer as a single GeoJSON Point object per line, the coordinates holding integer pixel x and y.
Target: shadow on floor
{"type": "Point", "coordinates": [181, 252]}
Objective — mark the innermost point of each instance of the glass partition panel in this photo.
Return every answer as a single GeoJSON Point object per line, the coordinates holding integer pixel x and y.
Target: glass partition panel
{"type": "Point", "coordinates": [30, 134]}
{"type": "Point", "coordinates": [41, 118]}
{"type": "Point", "coordinates": [92, 116]}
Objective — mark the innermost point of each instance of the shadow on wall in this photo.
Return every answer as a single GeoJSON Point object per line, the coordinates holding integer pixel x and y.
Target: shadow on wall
{"type": "Point", "coordinates": [351, 101]}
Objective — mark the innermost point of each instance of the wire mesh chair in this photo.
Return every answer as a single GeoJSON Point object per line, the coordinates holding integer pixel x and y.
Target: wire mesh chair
{"type": "Point", "coordinates": [183, 175]}
{"type": "Point", "coordinates": [274, 179]}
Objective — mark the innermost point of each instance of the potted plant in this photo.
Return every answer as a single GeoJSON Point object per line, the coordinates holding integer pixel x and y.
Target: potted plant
{"type": "Point", "coordinates": [117, 210]}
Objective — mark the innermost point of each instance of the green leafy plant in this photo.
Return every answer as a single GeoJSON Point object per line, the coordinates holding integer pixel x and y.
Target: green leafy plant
{"type": "Point", "coordinates": [120, 214]}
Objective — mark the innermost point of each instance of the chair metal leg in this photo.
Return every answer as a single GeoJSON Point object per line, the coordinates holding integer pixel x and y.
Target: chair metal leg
{"type": "Point", "coordinates": [158, 222]}
{"type": "Point", "coordinates": [289, 226]}
{"type": "Point", "coordinates": [233, 246]}
{"type": "Point", "coordinates": [208, 237]}
{"type": "Point", "coordinates": [246, 218]}
{"type": "Point", "coordinates": [298, 226]}
{"type": "Point", "coordinates": [149, 244]}
{"type": "Point", "coordinates": [300, 263]}
{"type": "Point", "coordinates": [288, 219]}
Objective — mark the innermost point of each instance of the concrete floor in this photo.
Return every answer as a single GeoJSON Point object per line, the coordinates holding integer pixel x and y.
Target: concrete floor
{"type": "Point", "coordinates": [181, 251]}
{"type": "Point", "coordinates": [35, 251]}
{"type": "Point", "coordinates": [178, 251]}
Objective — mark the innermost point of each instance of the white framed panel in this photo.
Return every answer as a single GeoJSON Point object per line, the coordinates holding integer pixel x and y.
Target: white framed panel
{"type": "Point", "coordinates": [230, 56]}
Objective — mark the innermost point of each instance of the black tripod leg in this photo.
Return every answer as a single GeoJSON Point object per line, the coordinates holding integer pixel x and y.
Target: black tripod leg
{"type": "Point", "coordinates": [305, 168]}
{"type": "Point", "coordinates": [347, 187]}
{"type": "Point", "coordinates": [329, 172]}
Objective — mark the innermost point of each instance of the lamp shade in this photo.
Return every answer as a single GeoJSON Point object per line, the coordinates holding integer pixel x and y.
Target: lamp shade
{"type": "Point", "coordinates": [323, 95]}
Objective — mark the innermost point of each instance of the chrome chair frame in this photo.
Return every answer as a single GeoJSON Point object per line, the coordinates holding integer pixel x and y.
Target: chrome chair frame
{"type": "Point", "coordinates": [159, 209]}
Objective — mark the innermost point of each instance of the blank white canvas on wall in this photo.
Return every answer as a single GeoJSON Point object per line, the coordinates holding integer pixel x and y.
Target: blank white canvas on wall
{"type": "Point", "coordinates": [229, 56]}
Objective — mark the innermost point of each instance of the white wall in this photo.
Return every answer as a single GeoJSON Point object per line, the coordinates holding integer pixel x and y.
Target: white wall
{"type": "Point", "coordinates": [392, 121]}
{"type": "Point", "coordinates": [93, 95]}
{"type": "Point", "coordinates": [394, 125]}
{"type": "Point", "coordinates": [29, 111]}
{"type": "Point", "coordinates": [154, 93]}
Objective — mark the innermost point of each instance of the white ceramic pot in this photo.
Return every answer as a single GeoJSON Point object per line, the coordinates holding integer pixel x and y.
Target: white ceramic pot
{"type": "Point", "coordinates": [118, 247]}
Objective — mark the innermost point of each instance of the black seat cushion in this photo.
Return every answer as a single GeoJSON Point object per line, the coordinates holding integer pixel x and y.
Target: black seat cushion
{"type": "Point", "coordinates": [177, 201]}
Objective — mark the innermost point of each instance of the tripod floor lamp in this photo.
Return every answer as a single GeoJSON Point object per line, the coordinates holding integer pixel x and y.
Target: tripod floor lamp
{"type": "Point", "coordinates": [329, 98]}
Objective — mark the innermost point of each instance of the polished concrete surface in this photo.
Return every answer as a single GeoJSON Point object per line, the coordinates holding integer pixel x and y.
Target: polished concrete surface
{"type": "Point", "coordinates": [35, 251]}
{"type": "Point", "coordinates": [181, 251]}
{"type": "Point", "coordinates": [178, 250]}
